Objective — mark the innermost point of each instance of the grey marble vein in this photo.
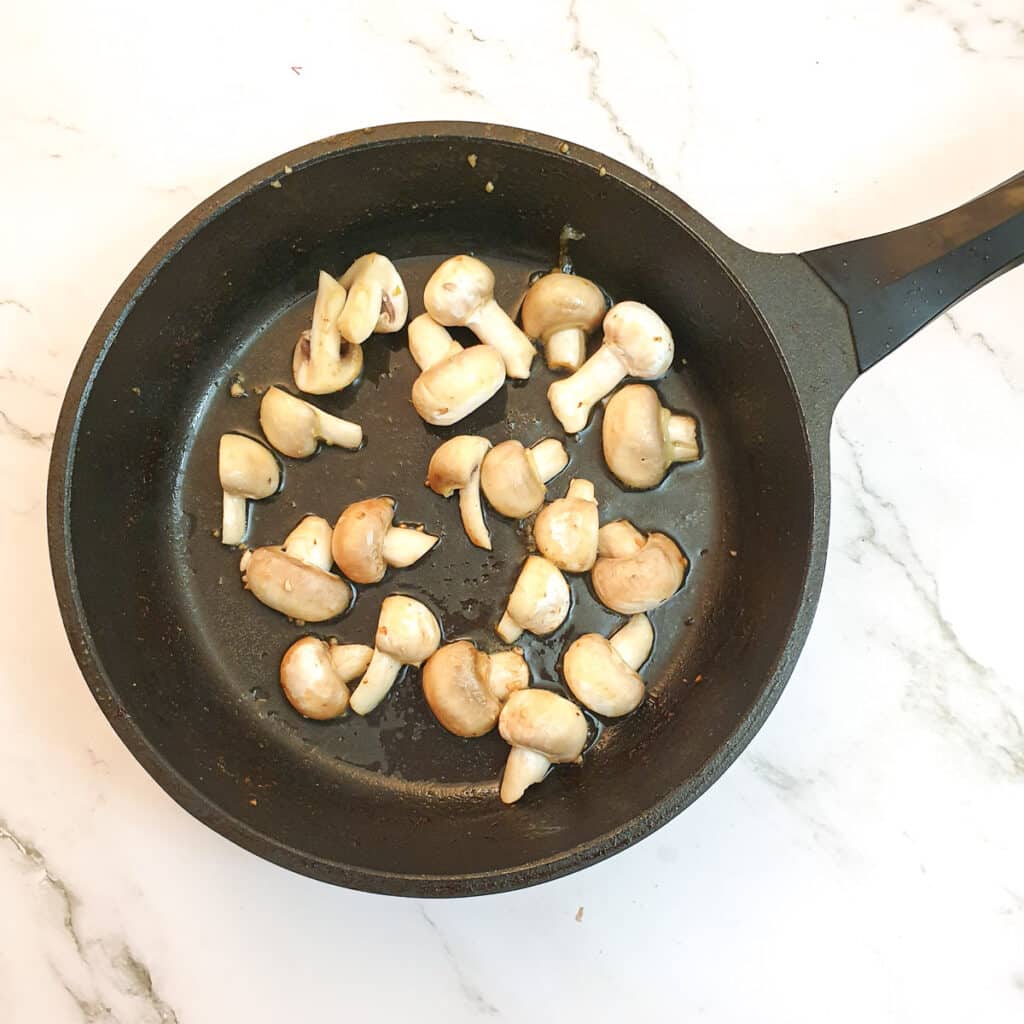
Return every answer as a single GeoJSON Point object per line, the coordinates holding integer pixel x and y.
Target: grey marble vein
{"type": "Point", "coordinates": [31, 383]}
{"type": "Point", "coordinates": [454, 25]}
{"type": "Point", "coordinates": [961, 27]}
{"type": "Point", "coordinates": [480, 1003]}
{"type": "Point", "coordinates": [16, 304]}
{"type": "Point", "coordinates": [8, 426]}
{"type": "Point", "coordinates": [454, 79]}
{"type": "Point", "coordinates": [979, 339]}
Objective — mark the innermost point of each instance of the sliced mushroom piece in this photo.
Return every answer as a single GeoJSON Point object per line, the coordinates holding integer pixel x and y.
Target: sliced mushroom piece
{"type": "Point", "coordinates": [315, 675]}
{"type": "Point", "coordinates": [602, 673]}
{"type": "Point", "coordinates": [365, 542]}
{"type": "Point", "coordinates": [539, 602]}
{"type": "Point", "coordinates": [466, 688]}
{"type": "Point", "coordinates": [407, 634]}
{"type": "Point", "coordinates": [543, 729]}
{"type": "Point", "coordinates": [560, 310]}
{"type": "Point", "coordinates": [460, 293]}
{"type": "Point", "coordinates": [637, 343]}
{"type": "Point", "coordinates": [323, 362]}
{"type": "Point", "coordinates": [565, 531]}
{"type": "Point", "coordinates": [295, 427]}
{"type": "Point", "coordinates": [513, 477]}
{"type": "Point", "coordinates": [634, 573]}
{"type": "Point", "coordinates": [455, 466]}
{"type": "Point", "coordinates": [248, 472]}
{"type": "Point", "coordinates": [377, 300]}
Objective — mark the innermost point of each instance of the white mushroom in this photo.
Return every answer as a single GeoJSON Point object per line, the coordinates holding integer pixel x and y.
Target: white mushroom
{"type": "Point", "coordinates": [315, 675]}
{"type": "Point", "coordinates": [460, 293]}
{"type": "Point", "coordinates": [466, 688]}
{"type": "Point", "coordinates": [602, 673]}
{"type": "Point", "coordinates": [565, 531]}
{"type": "Point", "coordinates": [637, 343]}
{"type": "Point", "coordinates": [407, 634]}
{"type": "Point", "coordinates": [323, 363]}
{"type": "Point", "coordinates": [543, 729]}
{"type": "Point", "coordinates": [560, 310]}
{"type": "Point", "coordinates": [455, 466]}
{"type": "Point", "coordinates": [248, 472]}
{"type": "Point", "coordinates": [455, 381]}
{"type": "Point", "coordinates": [634, 573]}
{"type": "Point", "coordinates": [539, 602]}
{"type": "Point", "coordinates": [377, 300]}
{"type": "Point", "coordinates": [365, 542]}
{"type": "Point", "coordinates": [513, 477]}
{"type": "Point", "coordinates": [295, 427]}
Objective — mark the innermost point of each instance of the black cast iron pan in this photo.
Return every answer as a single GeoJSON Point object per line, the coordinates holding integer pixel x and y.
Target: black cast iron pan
{"type": "Point", "coordinates": [184, 664]}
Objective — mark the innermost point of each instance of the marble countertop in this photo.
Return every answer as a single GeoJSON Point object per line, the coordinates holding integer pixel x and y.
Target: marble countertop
{"type": "Point", "coordinates": [864, 859]}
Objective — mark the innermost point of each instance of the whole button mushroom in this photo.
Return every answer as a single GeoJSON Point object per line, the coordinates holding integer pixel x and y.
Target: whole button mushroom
{"type": "Point", "coordinates": [466, 688]}
{"type": "Point", "coordinates": [455, 381]}
{"type": "Point", "coordinates": [560, 310]}
{"type": "Point", "coordinates": [565, 531]}
{"type": "Point", "coordinates": [634, 573]}
{"type": "Point", "coordinates": [407, 634]}
{"type": "Point", "coordinates": [513, 477]}
{"type": "Point", "coordinates": [323, 362]}
{"type": "Point", "coordinates": [460, 293]}
{"type": "Point", "coordinates": [377, 300]}
{"type": "Point", "coordinates": [455, 466]}
{"type": "Point", "coordinates": [642, 439]}
{"type": "Point", "coordinates": [248, 472]}
{"type": "Point", "coordinates": [315, 675]}
{"type": "Point", "coordinates": [637, 343]}
{"type": "Point", "coordinates": [543, 729]}
{"type": "Point", "coordinates": [365, 542]}
{"type": "Point", "coordinates": [295, 428]}
{"type": "Point", "coordinates": [539, 601]}
{"type": "Point", "coordinates": [602, 673]}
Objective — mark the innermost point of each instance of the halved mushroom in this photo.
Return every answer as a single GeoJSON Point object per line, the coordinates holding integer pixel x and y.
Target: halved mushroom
{"type": "Point", "coordinates": [642, 439]}
{"type": "Point", "coordinates": [248, 472]}
{"type": "Point", "coordinates": [455, 381]}
{"type": "Point", "coordinates": [324, 363]}
{"type": "Point", "coordinates": [543, 729]}
{"type": "Point", "coordinates": [315, 675]}
{"type": "Point", "coordinates": [565, 531]}
{"type": "Point", "coordinates": [560, 310]}
{"type": "Point", "coordinates": [513, 477]}
{"type": "Point", "coordinates": [602, 673]}
{"type": "Point", "coordinates": [539, 601]}
{"type": "Point", "coordinates": [295, 579]}
{"type": "Point", "coordinates": [377, 300]}
{"type": "Point", "coordinates": [637, 343]}
{"type": "Point", "coordinates": [365, 543]}
{"type": "Point", "coordinates": [466, 688]}
{"type": "Point", "coordinates": [407, 634]}
{"type": "Point", "coordinates": [460, 293]}
{"type": "Point", "coordinates": [634, 573]}
{"type": "Point", "coordinates": [455, 466]}
{"type": "Point", "coordinates": [295, 427]}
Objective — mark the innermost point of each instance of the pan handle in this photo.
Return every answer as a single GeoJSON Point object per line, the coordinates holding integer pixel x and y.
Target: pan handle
{"type": "Point", "coordinates": [893, 284]}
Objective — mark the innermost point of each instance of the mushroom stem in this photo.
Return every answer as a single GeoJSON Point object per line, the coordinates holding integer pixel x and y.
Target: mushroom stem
{"type": "Point", "coordinates": [472, 511]}
{"type": "Point", "coordinates": [403, 546]}
{"type": "Point", "coordinates": [493, 327]}
{"type": "Point", "coordinates": [633, 642]}
{"type": "Point", "coordinates": [522, 769]}
{"type": "Point", "coordinates": [334, 430]}
{"type": "Point", "coordinates": [380, 676]}
{"type": "Point", "coordinates": [508, 629]}
{"type": "Point", "coordinates": [619, 539]}
{"type": "Point", "coordinates": [235, 519]}
{"type": "Point", "coordinates": [508, 673]}
{"type": "Point", "coordinates": [573, 397]}
{"type": "Point", "coordinates": [430, 343]}
{"type": "Point", "coordinates": [682, 436]}
{"type": "Point", "coordinates": [550, 457]}
{"type": "Point", "coordinates": [581, 490]}
{"type": "Point", "coordinates": [566, 349]}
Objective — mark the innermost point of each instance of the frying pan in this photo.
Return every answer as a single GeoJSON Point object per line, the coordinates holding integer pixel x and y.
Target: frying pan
{"type": "Point", "coordinates": [184, 663]}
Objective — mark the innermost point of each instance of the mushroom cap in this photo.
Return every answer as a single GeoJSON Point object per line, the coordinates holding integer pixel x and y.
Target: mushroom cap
{"type": "Point", "coordinates": [358, 540]}
{"type": "Point", "coordinates": [566, 533]}
{"type": "Point", "coordinates": [559, 302]}
{"type": "Point", "coordinates": [310, 681]}
{"type": "Point", "coordinates": [599, 678]}
{"type": "Point", "coordinates": [545, 723]}
{"type": "Point", "coordinates": [641, 338]}
{"type": "Point", "coordinates": [633, 435]}
{"type": "Point", "coordinates": [406, 630]}
{"type": "Point", "coordinates": [247, 468]}
{"type": "Point", "coordinates": [457, 289]}
{"type": "Point", "coordinates": [540, 599]}
{"type": "Point", "coordinates": [641, 581]}
{"type": "Point", "coordinates": [455, 684]}
{"type": "Point", "coordinates": [289, 423]}
{"type": "Point", "coordinates": [454, 463]}
{"type": "Point", "coordinates": [295, 588]}
{"type": "Point", "coordinates": [510, 480]}
{"type": "Point", "coordinates": [454, 387]}
{"type": "Point", "coordinates": [394, 299]}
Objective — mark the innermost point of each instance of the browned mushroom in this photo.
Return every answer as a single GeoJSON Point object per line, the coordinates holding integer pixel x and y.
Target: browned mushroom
{"type": "Point", "coordinates": [634, 573]}
{"type": "Point", "coordinates": [365, 542]}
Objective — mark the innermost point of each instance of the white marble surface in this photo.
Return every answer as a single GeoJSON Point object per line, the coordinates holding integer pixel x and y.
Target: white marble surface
{"type": "Point", "coordinates": [864, 860]}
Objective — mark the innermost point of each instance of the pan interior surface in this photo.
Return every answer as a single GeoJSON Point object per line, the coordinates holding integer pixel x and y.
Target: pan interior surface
{"type": "Point", "coordinates": [189, 661]}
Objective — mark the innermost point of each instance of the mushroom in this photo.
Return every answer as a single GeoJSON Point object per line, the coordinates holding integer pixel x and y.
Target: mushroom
{"type": "Point", "coordinates": [315, 675]}
{"type": "Point", "coordinates": [365, 543]}
{"type": "Point", "coordinates": [248, 472]}
{"type": "Point", "coordinates": [295, 579]}
{"type": "Point", "coordinates": [565, 531]}
{"type": "Point", "coordinates": [637, 343]}
{"type": "Point", "coordinates": [295, 427]}
{"type": "Point", "coordinates": [543, 729]}
{"type": "Point", "coordinates": [377, 299]}
{"type": "Point", "coordinates": [407, 634]}
{"type": "Point", "coordinates": [513, 477]}
{"type": "Point", "coordinates": [455, 381]}
{"type": "Point", "coordinates": [560, 310]}
{"type": "Point", "coordinates": [460, 293]}
{"type": "Point", "coordinates": [634, 573]}
{"type": "Point", "coordinates": [602, 673]}
{"type": "Point", "coordinates": [455, 466]}
{"type": "Point", "coordinates": [466, 688]}
{"type": "Point", "coordinates": [539, 601]}
{"type": "Point", "coordinates": [323, 363]}
{"type": "Point", "coordinates": [642, 439]}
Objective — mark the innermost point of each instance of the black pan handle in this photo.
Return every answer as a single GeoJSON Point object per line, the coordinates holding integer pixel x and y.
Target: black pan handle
{"type": "Point", "coordinates": [893, 284]}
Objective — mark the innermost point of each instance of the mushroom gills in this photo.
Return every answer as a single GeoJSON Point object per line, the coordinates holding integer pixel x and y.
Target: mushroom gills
{"type": "Point", "coordinates": [377, 300]}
